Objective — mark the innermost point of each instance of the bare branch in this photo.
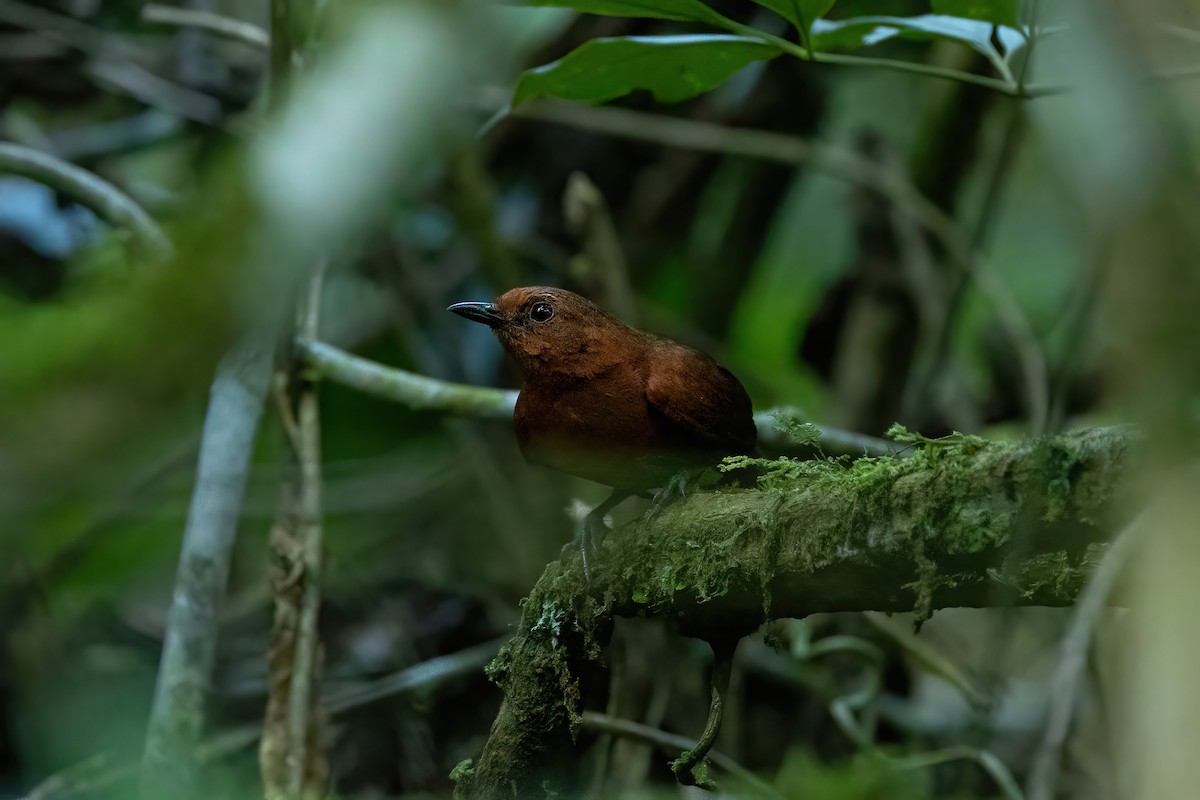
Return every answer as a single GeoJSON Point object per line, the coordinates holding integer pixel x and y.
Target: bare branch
{"type": "Point", "coordinates": [430, 394]}
{"type": "Point", "coordinates": [189, 648]}
{"type": "Point", "coordinates": [1064, 686]}
{"type": "Point", "coordinates": [400, 386]}
{"type": "Point", "coordinates": [303, 722]}
{"type": "Point", "coordinates": [239, 30]}
{"type": "Point", "coordinates": [426, 675]}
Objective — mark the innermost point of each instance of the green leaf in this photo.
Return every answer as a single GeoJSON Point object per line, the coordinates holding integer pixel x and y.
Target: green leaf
{"type": "Point", "coordinates": [866, 31]}
{"type": "Point", "coordinates": [683, 10]}
{"type": "Point", "coordinates": [1011, 40]}
{"type": "Point", "coordinates": [796, 10]}
{"type": "Point", "coordinates": [674, 68]}
{"type": "Point", "coordinates": [999, 12]}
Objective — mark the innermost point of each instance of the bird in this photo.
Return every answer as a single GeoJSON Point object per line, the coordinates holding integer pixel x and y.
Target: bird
{"type": "Point", "coordinates": [610, 403]}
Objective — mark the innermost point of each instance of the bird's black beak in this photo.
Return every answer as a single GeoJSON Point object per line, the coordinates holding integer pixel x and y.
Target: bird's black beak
{"type": "Point", "coordinates": [487, 313]}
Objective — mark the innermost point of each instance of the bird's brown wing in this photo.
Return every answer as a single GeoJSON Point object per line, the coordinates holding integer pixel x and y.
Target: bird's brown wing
{"type": "Point", "coordinates": [702, 399]}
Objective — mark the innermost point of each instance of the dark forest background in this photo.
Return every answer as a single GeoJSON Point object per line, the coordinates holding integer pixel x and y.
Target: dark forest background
{"type": "Point", "coordinates": [958, 237]}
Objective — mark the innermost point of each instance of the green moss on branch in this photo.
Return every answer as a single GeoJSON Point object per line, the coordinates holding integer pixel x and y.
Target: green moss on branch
{"type": "Point", "coordinates": [962, 522]}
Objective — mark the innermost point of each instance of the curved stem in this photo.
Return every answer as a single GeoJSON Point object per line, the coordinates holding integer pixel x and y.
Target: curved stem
{"type": "Point", "coordinates": [109, 202]}
{"type": "Point", "coordinates": [929, 70]}
{"type": "Point", "coordinates": [1030, 42]}
{"type": "Point", "coordinates": [306, 666]}
{"type": "Point", "coordinates": [240, 30]}
{"type": "Point", "coordinates": [1043, 775]}
{"type": "Point", "coordinates": [603, 723]}
{"type": "Point", "coordinates": [684, 767]}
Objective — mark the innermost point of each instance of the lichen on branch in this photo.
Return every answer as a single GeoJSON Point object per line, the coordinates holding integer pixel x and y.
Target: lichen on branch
{"type": "Point", "coordinates": [963, 521]}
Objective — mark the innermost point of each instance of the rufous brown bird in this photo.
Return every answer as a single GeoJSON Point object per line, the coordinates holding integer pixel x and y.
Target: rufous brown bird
{"type": "Point", "coordinates": [609, 403]}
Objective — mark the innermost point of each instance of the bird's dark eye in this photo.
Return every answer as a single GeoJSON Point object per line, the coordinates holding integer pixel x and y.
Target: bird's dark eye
{"type": "Point", "coordinates": [541, 312]}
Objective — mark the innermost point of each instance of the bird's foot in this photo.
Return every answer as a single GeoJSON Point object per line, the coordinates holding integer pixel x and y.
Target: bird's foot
{"type": "Point", "coordinates": [590, 531]}
{"type": "Point", "coordinates": [676, 488]}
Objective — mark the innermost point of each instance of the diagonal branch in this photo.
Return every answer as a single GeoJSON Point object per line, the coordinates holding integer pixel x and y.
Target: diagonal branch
{"type": "Point", "coordinates": [189, 647]}
{"type": "Point", "coordinates": [1043, 775]}
{"type": "Point", "coordinates": [962, 522]}
{"type": "Point", "coordinates": [240, 30]}
{"type": "Point", "coordinates": [109, 202]}
{"type": "Point", "coordinates": [431, 394]}
{"type": "Point", "coordinates": [603, 723]}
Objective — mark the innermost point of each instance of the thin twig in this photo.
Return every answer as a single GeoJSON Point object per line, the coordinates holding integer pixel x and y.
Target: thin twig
{"type": "Point", "coordinates": [1064, 686]}
{"type": "Point", "coordinates": [843, 707]}
{"type": "Point", "coordinates": [146, 87]}
{"type": "Point", "coordinates": [684, 767]}
{"type": "Point", "coordinates": [986, 759]}
{"type": "Point", "coordinates": [928, 657]}
{"type": "Point", "coordinates": [72, 32]}
{"type": "Point", "coordinates": [306, 664]}
{"type": "Point", "coordinates": [106, 200]}
{"type": "Point", "coordinates": [116, 62]}
{"type": "Point", "coordinates": [236, 29]}
{"type": "Point", "coordinates": [142, 129]}
{"type": "Point", "coordinates": [603, 723]}
{"type": "Point", "coordinates": [427, 674]}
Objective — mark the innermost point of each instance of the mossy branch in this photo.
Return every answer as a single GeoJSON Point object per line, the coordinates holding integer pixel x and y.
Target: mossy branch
{"type": "Point", "coordinates": [962, 522]}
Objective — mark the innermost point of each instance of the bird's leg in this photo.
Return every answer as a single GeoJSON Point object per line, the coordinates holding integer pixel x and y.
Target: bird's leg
{"type": "Point", "coordinates": [685, 767]}
{"type": "Point", "coordinates": [592, 528]}
{"type": "Point", "coordinates": [675, 489]}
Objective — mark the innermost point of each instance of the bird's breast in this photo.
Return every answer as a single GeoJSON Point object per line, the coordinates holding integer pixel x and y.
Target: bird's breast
{"type": "Point", "coordinates": [601, 430]}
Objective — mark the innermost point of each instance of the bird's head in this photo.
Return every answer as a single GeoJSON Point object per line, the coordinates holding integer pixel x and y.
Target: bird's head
{"type": "Point", "coordinates": [547, 330]}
